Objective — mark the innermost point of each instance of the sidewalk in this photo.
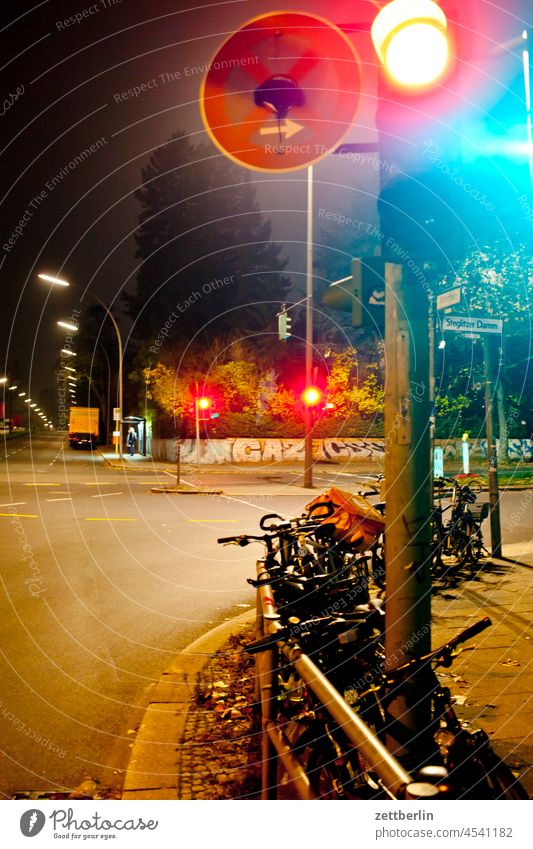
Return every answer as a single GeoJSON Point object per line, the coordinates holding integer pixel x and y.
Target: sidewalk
{"type": "Point", "coordinates": [492, 685]}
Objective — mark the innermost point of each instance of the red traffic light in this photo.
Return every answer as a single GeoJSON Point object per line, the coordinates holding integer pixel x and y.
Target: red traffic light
{"type": "Point", "coordinates": [311, 396]}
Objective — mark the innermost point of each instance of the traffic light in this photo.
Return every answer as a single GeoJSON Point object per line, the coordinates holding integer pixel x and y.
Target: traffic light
{"type": "Point", "coordinates": [411, 40]}
{"type": "Point", "coordinates": [204, 405]}
{"type": "Point", "coordinates": [363, 294]}
{"type": "Point", "coordinates": [284, 324]}
{"type": "Point", "coordinates": [311, 396]}
{"type": "Point", "coordinates": [422, 185]}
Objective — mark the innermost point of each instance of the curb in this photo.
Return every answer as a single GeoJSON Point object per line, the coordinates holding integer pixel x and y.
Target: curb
{"type": "Point", "coordinates": [153, 771]}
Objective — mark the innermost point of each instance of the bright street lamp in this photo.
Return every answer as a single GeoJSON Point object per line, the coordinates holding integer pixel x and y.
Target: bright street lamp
{"type": "Point", "coordinates": [12, 388]}
{"type": "Point", "coordinates": [50, 279]}
{"type": "Point", "coordinates": [68, 326]}
{"type": "Point", "coordinates": [21, 394]}
{"type": "Point", "coordinates": [68, 353]}
{"type": "Point", "coordinates": [3, 379]}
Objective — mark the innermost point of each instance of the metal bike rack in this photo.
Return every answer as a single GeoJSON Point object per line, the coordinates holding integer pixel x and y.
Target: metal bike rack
{"type": "Point", "coordinates": [275, 743]}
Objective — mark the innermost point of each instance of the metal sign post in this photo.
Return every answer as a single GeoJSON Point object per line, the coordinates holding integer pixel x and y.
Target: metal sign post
{"type": "Point", "coordinates": [303, 65]}
{"type": "Point", "coordinates": [489, 344]}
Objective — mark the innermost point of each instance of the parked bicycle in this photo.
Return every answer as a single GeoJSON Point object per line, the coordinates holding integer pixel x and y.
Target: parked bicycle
{"type": "Point", "coordinates": [326, 667]}
{"type": "Point", "coordinates": [461, 538]}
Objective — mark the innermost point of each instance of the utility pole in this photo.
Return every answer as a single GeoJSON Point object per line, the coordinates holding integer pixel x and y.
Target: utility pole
{"type": "Point", "coordinates": [408, 499]}
{"type": "Point", "coordinates": [489, 356]}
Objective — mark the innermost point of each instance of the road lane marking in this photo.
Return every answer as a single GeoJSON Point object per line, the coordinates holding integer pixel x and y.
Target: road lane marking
{"type": "Point", "coordinates": [106, 519]}
{"type": "Point", "coordinates": [106, 494]}
{"type": "Point", "coordinates": [68, 498]}
{"type": "Point", "coordinates": [21, 515]}
{"type": "Point", "coordinates": [14, 504]}
{"type": "Point", "coordinates": [213, 520]}
{"type": "Point", "coordinates": [42, 484]}
{"type": "Point", "coordinates": [98, 483]}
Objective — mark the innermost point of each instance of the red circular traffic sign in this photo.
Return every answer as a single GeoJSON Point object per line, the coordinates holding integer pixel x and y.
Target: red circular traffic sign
{"type": "Point", "coordinates": [282, 91]}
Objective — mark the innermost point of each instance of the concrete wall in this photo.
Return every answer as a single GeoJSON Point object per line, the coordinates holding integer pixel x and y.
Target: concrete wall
{"type": "Point", "coordinates": [243, 450]}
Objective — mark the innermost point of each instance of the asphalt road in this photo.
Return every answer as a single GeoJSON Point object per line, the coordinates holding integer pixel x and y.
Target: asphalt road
{"type": "Point", "coordinates": [102, 582]}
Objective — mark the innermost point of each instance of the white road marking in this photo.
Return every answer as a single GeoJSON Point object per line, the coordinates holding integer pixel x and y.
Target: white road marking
{"type": "Point", "coordinates": [14, 504]}
{"type": "Point", "coordinates": [59, 499]}
{"type": "Point", "coordinates": [106, 494]}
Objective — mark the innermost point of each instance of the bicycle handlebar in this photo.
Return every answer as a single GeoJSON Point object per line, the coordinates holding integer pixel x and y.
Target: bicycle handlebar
{"type": "Point", "coordinates": [241, 539]}
{"type": "Point", "coordinates": [443, 655]}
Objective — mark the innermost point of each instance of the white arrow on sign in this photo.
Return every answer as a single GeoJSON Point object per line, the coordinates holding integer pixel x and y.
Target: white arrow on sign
{"type": "Point", "coordinates": [288, 129]}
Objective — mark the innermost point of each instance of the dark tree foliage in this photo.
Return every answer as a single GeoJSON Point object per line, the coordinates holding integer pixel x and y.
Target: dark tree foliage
{"type": "Point", "coordinates": [208, 265]}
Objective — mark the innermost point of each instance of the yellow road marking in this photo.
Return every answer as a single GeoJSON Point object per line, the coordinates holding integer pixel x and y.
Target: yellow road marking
{"type": "Point", "coordinates": [42, 484]}
{"type": "Point", "coordinates": [106, 519]}
{"type": "Point", "coordinates": [21, 515]}
{"type": "Point", "coordinates": [213, 520]}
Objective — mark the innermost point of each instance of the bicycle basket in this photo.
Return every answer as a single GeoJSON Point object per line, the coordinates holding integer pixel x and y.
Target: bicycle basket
{"type": "Point", "coordinates": [354, 522]}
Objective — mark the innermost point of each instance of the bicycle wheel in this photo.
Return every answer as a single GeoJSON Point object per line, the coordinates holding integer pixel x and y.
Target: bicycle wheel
{"type": "Point", "coordinates": [480, 773]}
{"type": "Point", "coordinates": [475, 550]}
{"type": "Point", "coordinates": [460, 541]}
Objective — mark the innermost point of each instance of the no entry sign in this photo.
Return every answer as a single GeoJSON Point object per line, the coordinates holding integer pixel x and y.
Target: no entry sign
{"type": "Point", "coordinates": [281, 92]}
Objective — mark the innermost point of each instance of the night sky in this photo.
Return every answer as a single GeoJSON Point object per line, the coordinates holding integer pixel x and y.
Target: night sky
{"type": "Point", "coordinates": [117, 80]}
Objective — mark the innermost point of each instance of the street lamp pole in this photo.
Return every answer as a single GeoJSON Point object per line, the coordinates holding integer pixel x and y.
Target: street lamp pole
{"type": "Point", "coordinates": [59, 281]}
{"type": "Point", "coordinates": [308, 438]}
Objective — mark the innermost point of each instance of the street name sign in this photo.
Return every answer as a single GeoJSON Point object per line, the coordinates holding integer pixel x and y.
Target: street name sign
{"type": "Point", "coordinates": [449, 298]}
{"type": "Point", "coordinates": [281, 92]}
{"type": "Point", "coordinates": [472, 324]}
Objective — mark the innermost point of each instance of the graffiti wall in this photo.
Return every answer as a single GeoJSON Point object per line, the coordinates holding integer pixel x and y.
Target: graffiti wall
{"type": "Point", "coordinates": [272, 451]}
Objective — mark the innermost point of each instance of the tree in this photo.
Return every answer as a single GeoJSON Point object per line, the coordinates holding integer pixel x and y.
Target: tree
{"type": "Point", "coordinates": [208, 265]}
{"type": "Point", "coordinates": [497, 280]}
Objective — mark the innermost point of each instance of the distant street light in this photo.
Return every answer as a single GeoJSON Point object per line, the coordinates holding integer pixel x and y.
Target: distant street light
{"type": "Point", "coordinates": [68, 353]}
{"type": "Point", "coordinates": [68, 326]}
{"type": "Point", "coordinates": [57, 281]}
{"type": "Point", "coordinates": [21, 394]}
{"type": "Point", "coordinates": [11, 388]}
{"type": "Point", "coordinates": [27, 400]}
{"type": "Point", "coordinates": [3, 379]}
